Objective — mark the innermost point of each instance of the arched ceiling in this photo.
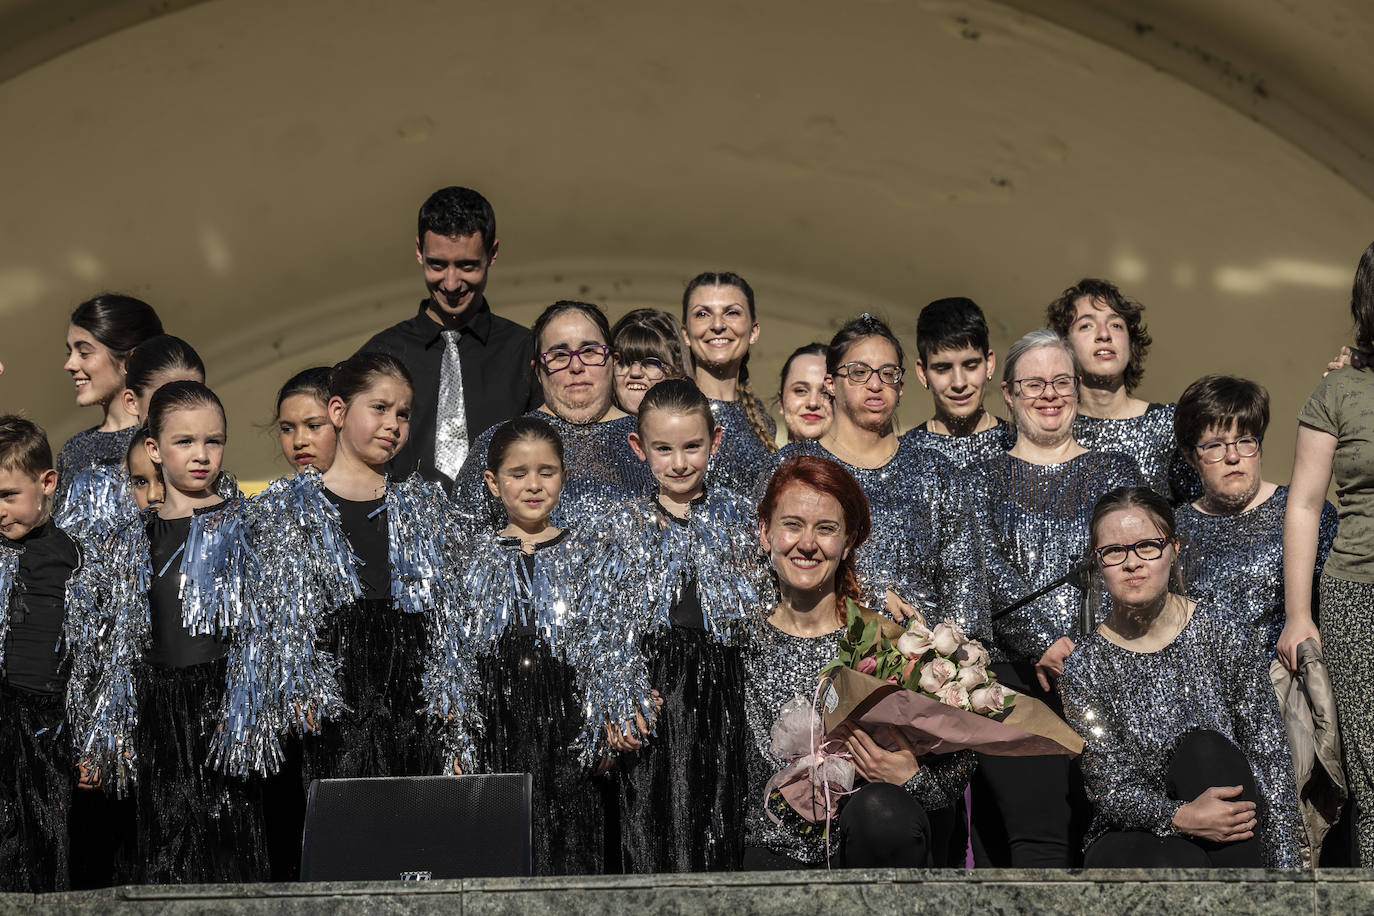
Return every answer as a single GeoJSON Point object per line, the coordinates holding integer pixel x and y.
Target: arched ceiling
{"type": "Point", "coordinates": [253, 168]}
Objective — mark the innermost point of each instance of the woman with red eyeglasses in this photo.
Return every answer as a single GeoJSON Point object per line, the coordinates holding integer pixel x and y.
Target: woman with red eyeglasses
{"type": "Point", "coordinates": [1186, 761]}
{"type": "Point", "coordinates": [575, 370]}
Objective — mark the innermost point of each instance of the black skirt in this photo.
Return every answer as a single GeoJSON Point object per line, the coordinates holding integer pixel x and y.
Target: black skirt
{"type": "Point", "coordinates": [35, 792]}
{"type": "Point", "coordinates": [682, 796]}
{"type": "Point", "coordinates": [533, 722]}
{"type": "Point", "coordinates": [195, 825]}
{"type": "Point", "coordinates": [381, 732]}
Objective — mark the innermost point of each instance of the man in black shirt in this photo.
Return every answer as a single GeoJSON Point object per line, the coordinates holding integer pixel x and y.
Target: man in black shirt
{"type": "Point", "coordinates": [472, 369]}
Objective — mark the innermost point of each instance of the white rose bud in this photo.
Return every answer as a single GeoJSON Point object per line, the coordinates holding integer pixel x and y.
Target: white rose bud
{"type": "Point", "coordinates": [936, 674]}
{"type": "Point", "coordinates": [948, 638]}
{"type": "Point", "coordinates": [989, 699]}
{"type": "Point", "coordinates": [972, 677]}
{"type": "Point", "coordinates": [953, 695]}
{"type": "Point", "coordinates": [972, 653]}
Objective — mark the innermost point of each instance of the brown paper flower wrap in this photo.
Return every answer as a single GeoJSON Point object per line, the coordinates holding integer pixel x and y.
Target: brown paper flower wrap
{"type": "Point", "coordinates": [932, 686]}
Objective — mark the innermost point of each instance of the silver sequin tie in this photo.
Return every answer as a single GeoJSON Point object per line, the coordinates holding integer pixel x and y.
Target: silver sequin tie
{"type": "Point", "coordinates": [451, 431]}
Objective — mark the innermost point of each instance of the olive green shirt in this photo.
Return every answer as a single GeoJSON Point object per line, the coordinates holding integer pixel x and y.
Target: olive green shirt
{"type": "Point", "coordinates": [1342, 404]}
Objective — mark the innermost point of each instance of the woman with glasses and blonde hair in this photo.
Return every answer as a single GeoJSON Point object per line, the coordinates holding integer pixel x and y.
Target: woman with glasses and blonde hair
{"type": "Point", "coordinates": [1186, 761]}
{"type": "Point", "coordinates": [1033, 505]}
{"type": "Point", "coordinates": [574, 365]}
{"type": "Point", "coordinates": [646, 347]}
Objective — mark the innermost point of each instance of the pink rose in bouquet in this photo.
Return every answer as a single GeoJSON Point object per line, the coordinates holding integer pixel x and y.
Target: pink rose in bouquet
{"type": "Point", "coordinates": [935, 674]}
{"type": "Point", "coordinates": [948, 638]}
{"type": "Point", "coordinates": [971, 677]}
{"type": "Point", "coordinates": [972, 653]}
{"type": "Point", "coordinates": [953, 695]}
{"type": "Point", "coordinates": [989, 699]}
{"type": "Point", "coordinates": [915, 642]}
{"type": "Point", "coordinates": [867, 665]}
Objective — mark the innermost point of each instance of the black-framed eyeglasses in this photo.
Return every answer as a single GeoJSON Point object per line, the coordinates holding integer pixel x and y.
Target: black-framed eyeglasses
{"type": "Point", "coordinates": [1116, 554]}
{"type": "Point", "coordinates": [1062, 385]}
{"type": "Point", "coordinates": [655, 370]}
{"type": "Point", "coordinates": [558, 360]}
{"type": "Point", "coordinates": [1215, 450]}
{"type": "Point", "coordinates": [858, 373]}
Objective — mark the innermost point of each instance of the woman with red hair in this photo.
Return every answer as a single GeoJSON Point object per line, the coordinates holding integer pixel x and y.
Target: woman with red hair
{"type": "Point", "coordinates": [812, 519]}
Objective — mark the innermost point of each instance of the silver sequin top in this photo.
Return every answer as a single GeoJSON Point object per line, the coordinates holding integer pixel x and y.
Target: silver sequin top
{"type": "Point", "coordinates": [86, 449]}
{"type": "Point", "coordinates": [1131, 708]}
{"type": "Point", "coordinates": [924, 540]}
{"type": "Point", "coordinates": [602, 470]}
{"type": "Point", "coordinates": [1235, 562]}
{"type": "Point", "coordinates": [742, 457]}
{"type": "Point", "coordinates": [1033, 522]}
{"type": "Point", "coordinates": [966, 451]}
{"type": "Point", "coordinates": [1149, 439]}
{"type": "Point", "coordinates": [777, 668]}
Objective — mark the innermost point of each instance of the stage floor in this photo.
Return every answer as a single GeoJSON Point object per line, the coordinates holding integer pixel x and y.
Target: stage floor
{"type": "Point", "coordinates": [878, 892]}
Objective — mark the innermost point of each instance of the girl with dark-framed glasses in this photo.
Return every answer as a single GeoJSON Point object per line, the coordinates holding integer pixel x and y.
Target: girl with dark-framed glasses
{"type": "Point", "coordinates": [1186, 761]}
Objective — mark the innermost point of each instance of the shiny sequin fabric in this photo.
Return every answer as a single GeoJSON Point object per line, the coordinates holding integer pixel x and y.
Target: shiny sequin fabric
{"type": "Point", "coordinates": [1131, 708]}
{"type": "Point", "coordinates": [87, 449]}
{"type": "Point", "coordinates": [601, 470]}
{"type": "Point", "coordinates": [777, 668]}
{"type": "Point", "coordinates": [966, 451]}
{"type": "Point", "coordinates": [1033, 526]}
{"type": "Point", "coordinates": [1149, 439]}
{"type": "Point", "coordinates": [742, 457]}
{"type": "Point", "coordinates": [924, 542]}
{"type": "Point", "coordinates": [1234, 563]}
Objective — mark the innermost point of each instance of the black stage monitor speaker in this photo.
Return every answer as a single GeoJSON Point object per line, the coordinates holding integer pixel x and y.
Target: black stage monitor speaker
{"type": "Point", "coordinates": [416, 828]}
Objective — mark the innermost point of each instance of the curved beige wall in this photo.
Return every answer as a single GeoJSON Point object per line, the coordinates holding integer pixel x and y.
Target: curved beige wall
{"type": "Point", "coordinates": [253, 169]}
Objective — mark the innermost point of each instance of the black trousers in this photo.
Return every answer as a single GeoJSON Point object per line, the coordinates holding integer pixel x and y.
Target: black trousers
{"type": "Point", "coordinates": [1203, 759]}
{"type": "Point", "coordinates": [1028, 812]}
{"type": "Point", "coordinates": [879, 826]}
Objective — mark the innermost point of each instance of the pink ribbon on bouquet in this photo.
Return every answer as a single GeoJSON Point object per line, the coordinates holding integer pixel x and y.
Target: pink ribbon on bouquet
{"type": "Point", "coordinates": [796, 738]}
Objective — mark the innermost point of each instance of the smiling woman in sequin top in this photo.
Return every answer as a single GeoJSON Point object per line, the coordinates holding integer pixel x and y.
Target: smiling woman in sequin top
{"type": "Point", "coordinates": [720, 324]}
{"type": "Point", "coordinates": [102, 334]}
{"type": "Point", "coordinates": [1033, 505]}
{"type": "Point", "coordinates": [1107, 332]}
{"type": "Point", "coordinates": [1186, 761]}
{"type": "Point", "coordinates": [812, 518]}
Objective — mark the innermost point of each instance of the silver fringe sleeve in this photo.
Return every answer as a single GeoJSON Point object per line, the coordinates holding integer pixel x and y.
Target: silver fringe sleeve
{"type": "Point", "coordinates": [613, 600]}
{"type": "Point", "coordinates": [98, 500]}
{"type": "Point", "coordinates": [425, 534]}
{"type": "Point", "coordinates": [277, 676]}
{"type": "Point", "coordinates": [108, 601]}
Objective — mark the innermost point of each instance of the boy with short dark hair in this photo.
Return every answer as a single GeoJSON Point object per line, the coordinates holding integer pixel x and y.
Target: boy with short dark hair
{"type": "Point", "coordinates": [37, 559]}
{"type": "Point", "coordinates": [956, 364]}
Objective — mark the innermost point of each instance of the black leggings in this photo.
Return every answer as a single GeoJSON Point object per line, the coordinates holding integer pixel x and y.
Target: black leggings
{"type": "Point", "coordinates": [1203, 759]}
{"type": "Point", "coordinates": [1028, 812]}
{"type": "Point", "coordinates": [879, 826]}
